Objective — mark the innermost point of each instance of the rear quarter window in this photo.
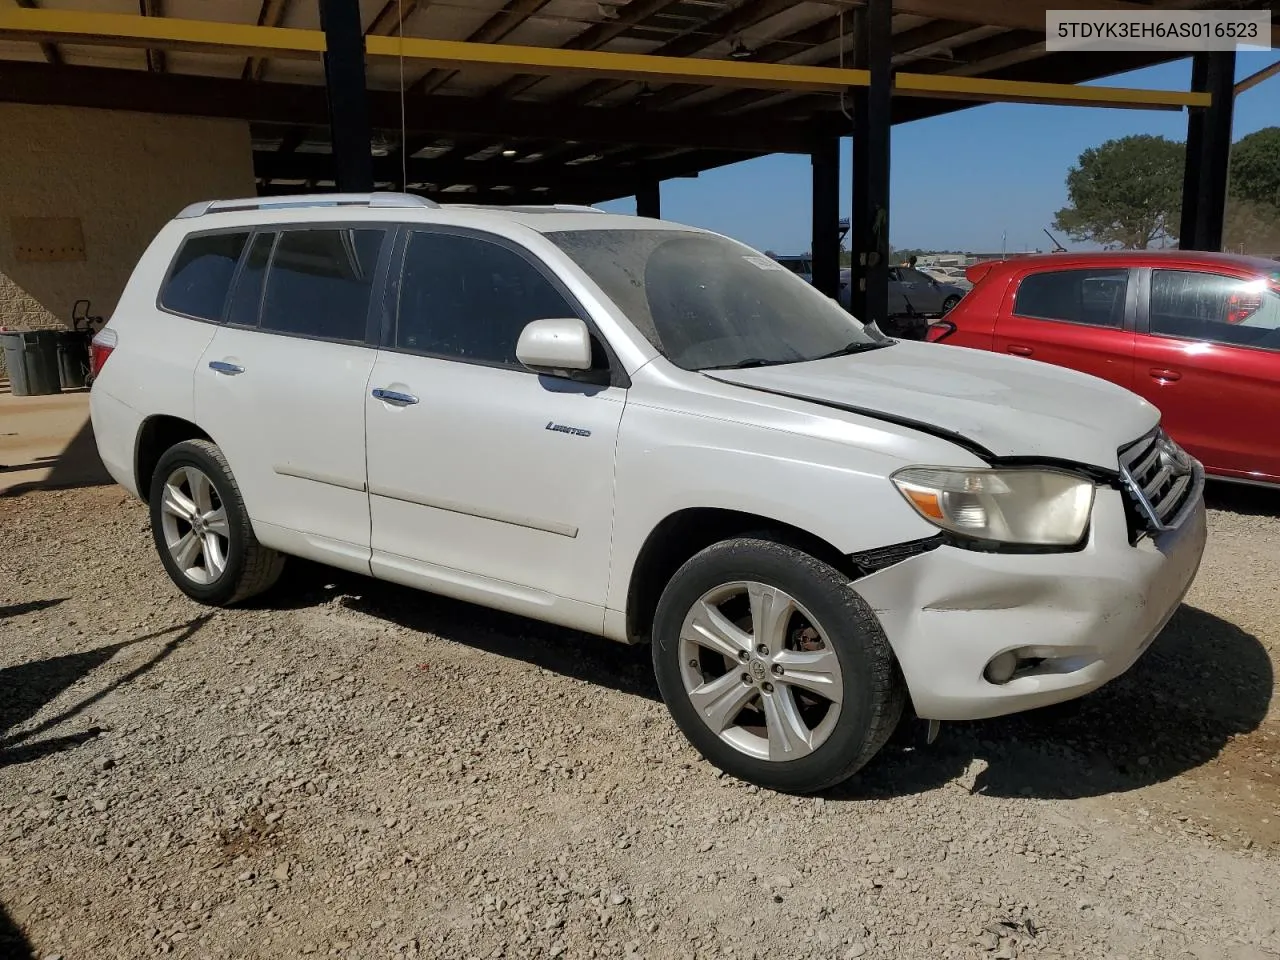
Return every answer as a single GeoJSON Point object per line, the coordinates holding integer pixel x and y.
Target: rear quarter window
{"type": "Point", "coordinates": [201, 274]}
{"type": "Point", "coordinates": [1095, 298]}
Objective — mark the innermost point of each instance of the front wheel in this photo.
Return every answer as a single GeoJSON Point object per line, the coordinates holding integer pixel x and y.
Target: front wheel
{"type": "Point", "coordinates": [201, 529]}
{"type": "Point", "coordinates": [773, 667]}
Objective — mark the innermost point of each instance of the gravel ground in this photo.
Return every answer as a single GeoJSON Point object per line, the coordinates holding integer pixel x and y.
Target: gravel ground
{"type": "Point", "coordinates": [353, 769]}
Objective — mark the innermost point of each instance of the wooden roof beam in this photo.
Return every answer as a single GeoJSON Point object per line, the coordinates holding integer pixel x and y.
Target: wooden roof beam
{"type": "Point", "coordinates": [694, 41]}
{"type": "Point", "coordinates": [593, 38]}
{"type": "Point", "coordinates": [50, 50]}
{"type": "Point", "coordinates": [493, 30]}
{"type": "Point", "coordinates": [270, 15]}
{"type": "Point", "coordinates": [292, 104]}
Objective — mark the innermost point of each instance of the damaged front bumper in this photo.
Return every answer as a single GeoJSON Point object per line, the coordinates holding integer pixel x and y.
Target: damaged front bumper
{"type": "Point", "coordinates": [1072, 620]}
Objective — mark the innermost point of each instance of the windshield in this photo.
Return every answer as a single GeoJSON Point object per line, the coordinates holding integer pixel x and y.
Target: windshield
{"type": "Point", "coordinates": [708, 302]}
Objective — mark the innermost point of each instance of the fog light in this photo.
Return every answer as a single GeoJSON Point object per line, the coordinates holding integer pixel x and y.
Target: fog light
{"type": "Point", "coordinates": [1001, 668]}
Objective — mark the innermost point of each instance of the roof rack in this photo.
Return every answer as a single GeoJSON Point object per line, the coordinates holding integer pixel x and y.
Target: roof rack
{"type": "Point", "coordinates": [302, 200]}
{"type": "Point", "coordinates": [528, 207]}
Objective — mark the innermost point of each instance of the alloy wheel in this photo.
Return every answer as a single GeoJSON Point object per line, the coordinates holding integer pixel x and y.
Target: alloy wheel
{"type": "Point", "coordinates": [760, 671]}
{"type": "Point", "coordinates": [194, 523]}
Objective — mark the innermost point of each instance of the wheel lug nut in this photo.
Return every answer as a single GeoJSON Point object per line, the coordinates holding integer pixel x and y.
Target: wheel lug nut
{"type": "Point", "coordinates": [777, 669]}
{"type": "Point", "coordinates": [767, 687]}
{"type": "Point", "coordinates": [744, 656]}
{"type": "Point", "coordinates": [746, 678]}
{"type": "Point", "coordinates": [762, 650]}
{"type": "Point", "coordinates": [694, 664]}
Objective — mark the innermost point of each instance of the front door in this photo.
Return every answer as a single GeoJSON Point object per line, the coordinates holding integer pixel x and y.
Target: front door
{"type": "Point", "coordinates": [487, 481]}
{"type": "Point", "coordinates": [281, 387]}
{"type": "Point", "coordinates": [1081, 319]}
{"type": "Point", "coordinates": [1209, 357]}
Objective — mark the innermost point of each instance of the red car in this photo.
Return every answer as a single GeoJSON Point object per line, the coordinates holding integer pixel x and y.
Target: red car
{"type": "Point", "coordinates": [1197, 334]}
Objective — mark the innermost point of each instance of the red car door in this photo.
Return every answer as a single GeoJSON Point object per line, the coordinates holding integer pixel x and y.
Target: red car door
{"type": "Point", "coordinates": [1080, 318]}
{"type": "Point", "coordinates": [1208, 355]}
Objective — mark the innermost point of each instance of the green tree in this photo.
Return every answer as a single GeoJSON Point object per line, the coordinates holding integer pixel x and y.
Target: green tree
{"type": "Point", "coordinates": [1255, 170]}
{"type": "Point", "coordinates": [1126, 193]}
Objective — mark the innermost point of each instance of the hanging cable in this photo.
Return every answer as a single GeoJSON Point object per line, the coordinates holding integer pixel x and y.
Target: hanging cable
{"type": "Point", "coordinates": [404, 135]}
{"type": "Point", "coordinates": [843, 109]}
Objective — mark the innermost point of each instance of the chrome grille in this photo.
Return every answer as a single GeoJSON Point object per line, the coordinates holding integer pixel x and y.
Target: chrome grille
{"type": "Point", "coordinates": [1159, 479]}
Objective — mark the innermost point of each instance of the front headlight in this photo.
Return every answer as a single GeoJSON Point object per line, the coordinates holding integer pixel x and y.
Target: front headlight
{"type": "Point", "coordinates": [1039, 508]}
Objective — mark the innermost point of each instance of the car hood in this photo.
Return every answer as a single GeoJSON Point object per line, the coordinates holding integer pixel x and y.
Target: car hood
{"type": "Point", "coordinates": [1007, 406]}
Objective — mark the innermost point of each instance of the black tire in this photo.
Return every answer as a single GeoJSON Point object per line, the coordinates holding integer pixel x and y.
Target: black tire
{"type": "Point", "coordinates": [873, 691]}
{"type": "Point", "coordinates": [949, 304]}
{"type": "Point", "coordinates": [250, 567]}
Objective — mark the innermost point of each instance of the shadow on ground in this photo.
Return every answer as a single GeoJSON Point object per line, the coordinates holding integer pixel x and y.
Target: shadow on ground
{"type": "Point", "coordinates": [1202, 682]}
{"type": "Point", "coordinates": [13, 945]}
{"type": "Point", "coordinates": [27, 688]}
{"type": "Point", "coordinates": [77, 465]}
{"type": "Point", "coordinates": [1242, 498]}
{"type": "Point", "coordinates": [578, 655]}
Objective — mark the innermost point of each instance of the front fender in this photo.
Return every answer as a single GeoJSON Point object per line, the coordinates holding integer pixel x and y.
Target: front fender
{"type": "Point", "coordinates": [671, 460]}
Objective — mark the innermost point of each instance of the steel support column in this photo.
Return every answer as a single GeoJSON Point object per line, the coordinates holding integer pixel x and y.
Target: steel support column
{"type": "Point", "coordinates": [345, 84]}
{"type": "Point", "coordinates": [869, 233]}
{"type": "Point", "coordinates": [649, 200]}
{"type": "Point", "coordinates": [825, 247]}
{"type": "Point", "coordinates": [1204, 179]}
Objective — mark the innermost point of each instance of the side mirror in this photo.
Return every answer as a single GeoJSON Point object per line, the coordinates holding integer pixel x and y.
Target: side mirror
{"type": "Point", "coordinates": [558, 348]}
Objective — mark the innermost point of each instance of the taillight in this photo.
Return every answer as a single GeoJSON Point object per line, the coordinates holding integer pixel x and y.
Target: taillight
{"type": "Point", "coordinates": [939, 330]}
{"type": "Point", "coordinates": [1241, 307]}
{"type": "Point", "coordinates": [100, 348]}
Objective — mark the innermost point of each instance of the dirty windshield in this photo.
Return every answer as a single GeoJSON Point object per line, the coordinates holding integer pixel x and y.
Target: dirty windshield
{"type": "Point", "coordinates": [710, 303]}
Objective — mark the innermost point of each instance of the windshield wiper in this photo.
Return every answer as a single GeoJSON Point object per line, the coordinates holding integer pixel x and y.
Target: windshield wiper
{"type": "Point", "coordinates": [748, 362]}
{"type": "Point", "coordinates": [858, 346]}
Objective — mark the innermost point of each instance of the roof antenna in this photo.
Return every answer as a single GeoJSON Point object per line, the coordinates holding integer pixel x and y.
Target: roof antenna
{"type": "Point", "coordinates": [1057, 247]}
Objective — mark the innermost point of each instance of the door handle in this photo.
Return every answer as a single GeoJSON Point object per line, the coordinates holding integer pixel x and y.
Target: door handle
{"type": "Point", "coordinates": [1163, 375]}
{"type": "Point", "coordinates": [1018, 350]}
{"type": "Point", "coordinates": [222, 366]}
{"type": "Point", "coordinates": [391, 396]}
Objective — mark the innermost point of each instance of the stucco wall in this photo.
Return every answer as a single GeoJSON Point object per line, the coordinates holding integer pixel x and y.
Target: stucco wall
{"type": "Point", "coordinates": [123, 175]}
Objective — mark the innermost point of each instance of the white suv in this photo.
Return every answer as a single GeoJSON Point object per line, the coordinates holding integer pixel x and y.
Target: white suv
{"type": "Point", "coordinates": [652, 433]}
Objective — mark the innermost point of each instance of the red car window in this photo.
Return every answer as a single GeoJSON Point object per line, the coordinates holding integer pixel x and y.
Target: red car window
{"type": "Point", "coordinates": [1093, 297]}
{"type": "Point", "coordinates": [1220, 309]}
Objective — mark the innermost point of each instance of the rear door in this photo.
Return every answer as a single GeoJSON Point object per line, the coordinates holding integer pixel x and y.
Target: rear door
{"type": "Point", "coordinates": [1208, 355]}
{"type": "Point", "coordinates": [1078, 318]}
{"type": "Point", "coordinates": [281, 387]}
{"type": "Point", "coordinates": [922, 290]}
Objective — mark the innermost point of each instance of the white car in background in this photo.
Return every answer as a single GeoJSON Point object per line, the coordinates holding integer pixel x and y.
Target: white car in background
{"type": "Point", "coordinates": [955, 276]}
{"type": "Point", "coordinates": [651, 433]}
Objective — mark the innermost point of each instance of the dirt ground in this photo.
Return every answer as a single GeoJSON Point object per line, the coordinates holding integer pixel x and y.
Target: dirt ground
{"type": "Point", "coordinates": [353, 769]}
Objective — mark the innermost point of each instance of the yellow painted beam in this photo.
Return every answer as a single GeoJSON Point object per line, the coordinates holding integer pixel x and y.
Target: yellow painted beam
{"type": "Point", "coordinates": [547, 61]}
{"type": "Point", "coordinates": [1021, 91]}
{"type": "Point", "coordinates": [169, 32]}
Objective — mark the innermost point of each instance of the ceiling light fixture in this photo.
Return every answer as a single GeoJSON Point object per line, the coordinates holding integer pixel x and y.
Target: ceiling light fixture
{"type": "Point", "coordinates": [508, 153]}
{"type": "Point", "coordinates": [740, 51]}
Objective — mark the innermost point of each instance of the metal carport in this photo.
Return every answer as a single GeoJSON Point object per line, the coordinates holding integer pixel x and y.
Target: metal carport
{"type": "Point", "coordinates": [581, 101]}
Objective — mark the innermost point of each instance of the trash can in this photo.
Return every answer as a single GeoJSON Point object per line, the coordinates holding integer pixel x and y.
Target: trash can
{"type": "Point", "coordinates": [73, 358]}
{"type": "Point", "coordinates": [31, 357]}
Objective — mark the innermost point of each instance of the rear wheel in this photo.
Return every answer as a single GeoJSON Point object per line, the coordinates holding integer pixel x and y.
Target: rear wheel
{"type": "Point", "coordinates": [949, 304]}
{"type": "Point", "coordinates": [773, 667]}
{"type": "Point", "coordinates": [202, 531]}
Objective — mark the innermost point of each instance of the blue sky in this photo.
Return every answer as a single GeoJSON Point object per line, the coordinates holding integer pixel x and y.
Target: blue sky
{"type": "Point", "coordinates": [958, 180]}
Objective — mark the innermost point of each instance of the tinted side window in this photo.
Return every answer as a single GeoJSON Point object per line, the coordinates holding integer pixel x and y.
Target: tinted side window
{"type": "Point", "coordinates": [201, 275]}
{"type": "Point", "coordinates": [1092, 297]}
{"type": "Point", "coordinates": [247, 296]}
{"type": "Point", "coordinates": [320, 281]}
{"type": "Point", "coordinates": [1207, 306]}
{"type": "Point", "coordinates": [466, 298]}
